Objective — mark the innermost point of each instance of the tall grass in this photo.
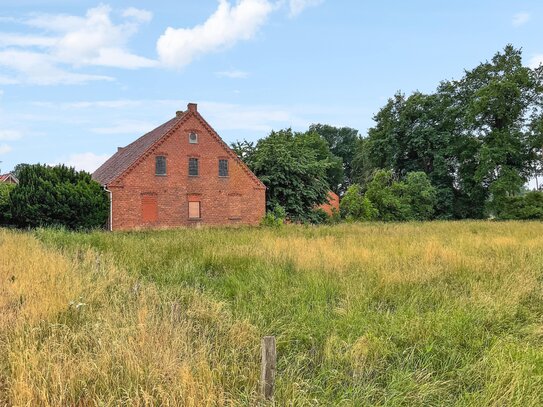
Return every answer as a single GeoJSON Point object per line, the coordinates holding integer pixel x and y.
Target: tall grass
{"type": "Point", "coordinates": [372, 314]}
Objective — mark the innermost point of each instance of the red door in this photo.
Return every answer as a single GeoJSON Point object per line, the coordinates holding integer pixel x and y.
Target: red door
{"type": "Point", "coordinates": [149, 208]}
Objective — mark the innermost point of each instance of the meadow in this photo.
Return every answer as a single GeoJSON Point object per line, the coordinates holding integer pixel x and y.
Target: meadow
{"type": "Point", "coordinates": [413, 314]}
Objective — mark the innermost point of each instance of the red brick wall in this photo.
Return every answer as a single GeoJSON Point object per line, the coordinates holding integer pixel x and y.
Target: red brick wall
{"type": "Point", "coordinates": [333, 204]}
{"type": "Point", "coordinates": [217, 194]}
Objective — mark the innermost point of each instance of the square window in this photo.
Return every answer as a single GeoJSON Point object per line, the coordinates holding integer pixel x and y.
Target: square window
{"type": "Point", "coordinates": [223, 168]}
{"type": "Point", "coordinates": [160, 165]}
{"type": "Point", "coordinates": [194, 210]}
{"type": "Point", "coordinates": [193, 167]}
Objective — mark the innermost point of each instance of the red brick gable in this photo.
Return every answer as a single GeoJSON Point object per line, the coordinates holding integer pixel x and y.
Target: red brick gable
{"type": "Point", "coordinates": [128, 157]}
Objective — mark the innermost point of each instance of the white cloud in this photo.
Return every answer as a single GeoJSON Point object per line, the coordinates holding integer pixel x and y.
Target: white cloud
{"type": "Point", "coordinates": [10, 135]}
{"type": "Point", "coordinates": [39, 69]}
{"type": "Point", "coordinates": [4, 149]}
{"type": "Point", "coordinates": [70, 42]}
{"type": "Point", "coordinates": [143, 16]}
{"type": "Point", "coordinates": [20, 40]}
{"type": "Point", "coordinates": [127, 127]}
{"type": "Point", "coordinates": [535, 61]}
{"type": "Point", "coordinates": [521, 19]}
{"type": "Point", "coordinates": [234, 74]}
{"type": "Point", "coordinates": [225, 27]}
{"type": "Point", "coordinates": [85, 161]}
{"type": "Point", "coordinates": [297, 6]}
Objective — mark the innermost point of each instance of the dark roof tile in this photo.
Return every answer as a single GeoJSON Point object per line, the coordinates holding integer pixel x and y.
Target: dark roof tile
{"type": "Point", "coordinates": [126, 156]}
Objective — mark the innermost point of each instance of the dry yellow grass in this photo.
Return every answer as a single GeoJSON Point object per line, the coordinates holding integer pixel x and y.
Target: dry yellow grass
{"type": "Point", "coordinates": [420, 314]}
{"type": "Point", "coordinates": [80, 332]}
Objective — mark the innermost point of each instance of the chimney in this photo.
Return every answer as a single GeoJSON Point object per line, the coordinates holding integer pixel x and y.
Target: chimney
{"type": "Point", "coordinates": [119, 148]}
{"type": "Point", "coordinates": [192, 107]}
{"type": "Point", "coordinates": [179, 113]}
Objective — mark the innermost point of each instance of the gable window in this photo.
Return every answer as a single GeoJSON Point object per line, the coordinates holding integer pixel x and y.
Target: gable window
{"type": "Point", "coordinates": [193, 138]}
{"type": "Point", "coordinates": [223, 168]}
{"type": "Point", "coordinates": [193, 167]}
{"type": "Point", "coordinates": [160, 165]}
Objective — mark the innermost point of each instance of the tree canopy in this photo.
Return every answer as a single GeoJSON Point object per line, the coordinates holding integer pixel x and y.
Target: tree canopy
{"type": "Point", "coordinates": [478, 139]}
{"type": "Point", "coordinates": [295, 167]}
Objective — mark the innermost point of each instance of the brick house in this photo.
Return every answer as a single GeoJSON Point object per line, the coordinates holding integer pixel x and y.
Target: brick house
{"type": "Point", "coordinates": [180, 174]}
{"type": "Point", "coordinates": [8, 179]}
{"type": "Point", "coordinates": [332, 205]}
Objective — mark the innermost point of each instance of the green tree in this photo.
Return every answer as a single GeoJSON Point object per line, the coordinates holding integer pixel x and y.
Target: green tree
{"type": "Point", "coordinates": [521, 207]}
{"type": "Point", "coordinates": [5, 211]}
{"type": "Point", "coordinates": [294, 169]}
{"type": "Point", "coordinates": [419, 194]}
{"type": "Point", "coordinates": [355, 206]}
{"type": "Point", "coordinates": [475, 138]}
{"type": "Point", "coordinates": [47, 196]}
{"type": "Point", "coordinates": [343, 142]}
{"type": "Point", "coordinates": [413, 198]}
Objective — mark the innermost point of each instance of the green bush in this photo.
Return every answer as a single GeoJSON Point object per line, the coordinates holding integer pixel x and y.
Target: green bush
{"type": "Point", "coordinates": [356, 207]}
{"type": "Point", "coordinates": [275, 218]}
{"type": "Point", "coordinates": [413, 198]}
{"type": "Point", "coordinates": [5, 211]}
{"type": "Point", "coordinates": [523, 207]}
{"type": "Point", "coordinates": [58, 196]}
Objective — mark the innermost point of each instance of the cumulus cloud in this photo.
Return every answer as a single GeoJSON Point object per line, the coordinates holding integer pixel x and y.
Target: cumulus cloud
{"type": "Point", "coordinates": [39, 69]}
{"type": "Point", "coordinates": [521, 19]}
{"type": "Point", "coordinates": [228, 25]}
{"type": "Point", "coordinates": [66, 43]}
{"type": "Point", "coordinates": [536, 61]}
{"type": "Point", "coordinates": [297, 6]}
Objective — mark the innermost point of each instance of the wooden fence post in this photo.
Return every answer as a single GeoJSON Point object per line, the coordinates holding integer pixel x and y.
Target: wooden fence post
{"type": "Point", "coordinates": [269, 360]}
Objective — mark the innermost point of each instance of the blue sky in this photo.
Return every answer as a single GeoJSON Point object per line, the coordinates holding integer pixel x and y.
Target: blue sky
{"type": "Point", "coordinates": [79, 78]}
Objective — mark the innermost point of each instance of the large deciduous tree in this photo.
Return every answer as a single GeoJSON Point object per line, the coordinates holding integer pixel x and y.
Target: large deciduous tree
{"type": "Point", "coordinates": [343, 142]}
{"type": "Point", "coordinates": [295, 169]}
{"type": "Point", "coordinates": [478, 139]}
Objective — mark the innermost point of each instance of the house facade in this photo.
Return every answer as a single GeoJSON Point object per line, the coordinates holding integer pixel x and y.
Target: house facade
{"type": "Point", "coordinates": [180, 174]}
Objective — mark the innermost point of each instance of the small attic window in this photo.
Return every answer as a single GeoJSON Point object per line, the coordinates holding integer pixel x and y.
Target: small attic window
{"type": "Point", "coordinates": [193, 138]}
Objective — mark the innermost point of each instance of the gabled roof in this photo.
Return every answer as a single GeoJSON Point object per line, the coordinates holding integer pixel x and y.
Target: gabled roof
{"type": "Point", "coordinates": [128, 156]}
{"type": "Point", "coordinates": [8, 178]}
{"type": "Point", "coordinates": [119, 162]}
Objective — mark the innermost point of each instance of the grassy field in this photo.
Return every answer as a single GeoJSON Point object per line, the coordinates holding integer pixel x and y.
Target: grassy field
{"type": "Point", "coordinates": [414, 314]}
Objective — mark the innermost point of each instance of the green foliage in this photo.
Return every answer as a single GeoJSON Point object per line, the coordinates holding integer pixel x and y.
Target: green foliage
{"type": "Point", "coordinates": [294, 168]}
{"type": "Point", "coordinates": [419, 194]}
{"type": "Point", "coordinates": [58, 196]}
{"type": "Point", "coordinates": [475, 137]}
{"type": "Point", "coordinates": [356, 207]}
{"type": "Point", "coordinates": [523, 207]}
{"type": "Point", "coordinates": [5, 211]}
{"type": "Point", "coordinates": [343, 142]}
{"type": "Point", "coordinates": [274, 218]}
{"type": "Point", "coordinates": [411, 199]}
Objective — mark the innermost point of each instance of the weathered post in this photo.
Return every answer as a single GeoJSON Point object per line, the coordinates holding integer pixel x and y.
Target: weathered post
{"type": "Point", "coordinates": [269, 360]}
